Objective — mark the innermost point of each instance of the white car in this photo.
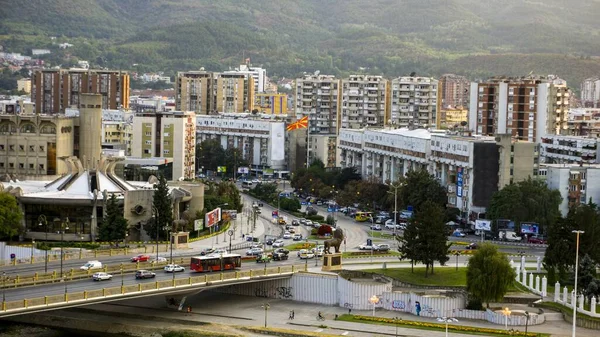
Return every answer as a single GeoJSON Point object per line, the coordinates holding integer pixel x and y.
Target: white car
{"type": "Point", "coordinates": [160, 259]}
{"type": "Point", "coordinates": [367, 247]}
{"type": "Point", "coordinates": [287, 235]}
{"type": "Point", "coordinates": [255, 181]}
{"type": "Point", "coordinates": [101, 276]}
{"type": "Point", "coordinates": [306, 254]}
{"type": "Point", "coordinates": [254, 251]}
{"type": "Point", "coordinates": [309, 223]}
{"type": "Point", "coordinates": [391, 225]}
{"type": "Point", "coordinates": [384, 247]}
{"type": "Point", "coordinates": [91, 265]}
{"type": "Point", "coordinates": [278, 243]}
{"type": "Point", "coordinates": [375, 227]}
{"type": "Point", "coordinates": [219, 251]}
{"type": "Point", "coordinates": [173, 268]}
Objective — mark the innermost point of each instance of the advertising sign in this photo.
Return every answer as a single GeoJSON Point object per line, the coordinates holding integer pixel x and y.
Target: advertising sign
{"type": "Point", "coordinates": [483, 225]}
{"type": "Point", "coordinates": [229, 214]}
{"type": "Point", "coordinates": [269, 172]}
{"type": "Point", "coordinates": [213, 217]}
{"type": "Point", "coordinates": [530, 228]}
{"type": "Point", "coordinates": [198, 224]}
{"type": "Point", "coordinates": [221, 169]}
{"type": "Point", "coordinates": [459, 182]}
{"type": "Point", "coordinates": [505, 224]}
{"type": "Point", "coordinates": [243, 170]}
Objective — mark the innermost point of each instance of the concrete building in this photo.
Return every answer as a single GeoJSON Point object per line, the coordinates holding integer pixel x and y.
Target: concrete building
{"type": "Point", "coordinates": [556, 149]}
{"type": "Point", "coordinates": [471, 167]}
{"type": "Point", "coordinates": [54, 90]}
{"type": "Point", "coordinates": [584, 122]}
{"type": "Point", "coordinates": [414, 102]}
{"type": "Point", "coordinates": [324, 149]}
{"type": "Point", "coordinates": [167, 134]}
{"type": "Point", "coordinates": [577, 184]}
{"type": "Point", "coordinates": [528, 108]}
{"type": "Point", "coordinates": [261, 141]}
{"type": "Point", "coordinates": [318, 97]}
{"type": "Point", "coordinates": [259, 75]}
{"type": "Point", "coordinates": [234, 93]}
{"type": "Point", "coordinates": [193, 92]}
{"type": "Point", "coordinates": [90, 120]}
{"type": "Point", "coordinates": [454, 91]}
{"type": "Point", "coordinates": [16, 106]}
{"type": "Point", "coordinates": [451, 117]}
{"type": "Point", "coordinates": [271, 104]}
{"type": "Point", "coordinates": [364, 102]}
{"type": "Point", "coordinates": [24, 85]}
{"type": "Point", "coordinates": [590, 92]}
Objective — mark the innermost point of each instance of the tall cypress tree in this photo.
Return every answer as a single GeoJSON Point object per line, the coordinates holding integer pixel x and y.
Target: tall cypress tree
{"type": "Point", "coordinates": [114, 225]}
{"type": "Point", "coordinates": [163, 205]}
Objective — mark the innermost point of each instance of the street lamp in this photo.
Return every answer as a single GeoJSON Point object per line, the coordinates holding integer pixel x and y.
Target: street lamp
{"type": "Point", "coordinates": [447, 320]}
{"type": "Point", "coordinates": [43, 222]}
{"type": "Point", "coordinates": [266, 306]}
{"type": "Point", "coordinates": [457, 254]}
{"type": "Point", "coordinates": [506, 312]}
{"type": "Point", "coordinates": [122, 276]}
{"type": "Point", "coordinates": [316, 253]}
{"type": "Point", "coordinates": [395, 187]}
{"type": "Point", "coordinates": [3, 290]}
{"type": "Point", "coordinates": [155, 215]}
{"type": "Point", "coordinates": [374, 300]}
{"type": "Point", "coordinates": [64, 226]}
{"type": "Point", "coordinates": [526, 321]}
{"type": "Point", "coordinates": [577, 232]}
{"type": "Point", "coordinates": [396, 319]}
{"type": "Point", "coordinates": [32, 248]}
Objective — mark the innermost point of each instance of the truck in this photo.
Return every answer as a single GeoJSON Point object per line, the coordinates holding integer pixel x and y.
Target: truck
{"type": "Point", "coordinates": [508, 235]}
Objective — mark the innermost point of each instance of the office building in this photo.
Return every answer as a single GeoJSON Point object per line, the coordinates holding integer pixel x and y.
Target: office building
{"type": "Point", "coordinates": [271, 104]}
{"type": "Point", "coordinates": [167, 134]}
{"type": "Point", "coordinates": [555, 149]}
{"type": "Point", "coordinates": [261, 141]}
{"type": "Point", "coordinates": [54, 90]}
{"type": "Point", "coordinates": [528, 108]}
{"type": "Point", "coordinates": [590, 92]}
{"type": "Point", "coordinates": [364, 102]}
{"type": "Point", "coordinates": [577, 184]}
{"type": "Point", "coordinates": [414, 102]}
{"type": "Point", "coordinates": [454, 91]}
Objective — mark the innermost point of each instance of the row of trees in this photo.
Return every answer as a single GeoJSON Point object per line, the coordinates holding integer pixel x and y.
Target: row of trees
{"type": "Point", "coordinates": [210, 155]}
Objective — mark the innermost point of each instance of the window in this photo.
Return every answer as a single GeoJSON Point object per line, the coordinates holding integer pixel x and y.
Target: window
{"type": "Point", "coordinates": [11, 147]}
{"type": "Point", "coordinates": [166, 152]}
{"type": "Point", "coordinates": [41, 148]}
{"type": "Point", "coordinates": [1, 165]}
{"type": "Point", "coordinates": [21, 147]}
{"type": "Point", "coordinates": [41, 166]}
{"type": "Point", "coordinates": [148, 134]}
{"type": "Point", "coordinates": [2, 147]}
{"type": "Point", "coordinates": [11, 165]}
{"type": "Point", "coordinates": [21, 165]}
{"type": "Point", "coordinates": [148, 142]}
{"type": "Point", "coordinates": [31, 166]}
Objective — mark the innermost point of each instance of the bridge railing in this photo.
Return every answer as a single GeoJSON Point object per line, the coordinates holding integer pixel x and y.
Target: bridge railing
{"type": "Point", "coordinates": [151, 287]}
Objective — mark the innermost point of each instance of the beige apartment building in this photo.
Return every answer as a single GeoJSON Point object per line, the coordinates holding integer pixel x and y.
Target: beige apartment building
{"type": "Point", "coordinates": [414, 102]}
{"type": "Point", "coordinates": [454, 91]}
{"type": "Point", "coordinates": [451, 117]}
{"type": "Point", "coordinates": [24, 85]}
{"type": "Point", "coordinates": [168, 135]}
{"type": "Point", "coordinates": [364, 102]}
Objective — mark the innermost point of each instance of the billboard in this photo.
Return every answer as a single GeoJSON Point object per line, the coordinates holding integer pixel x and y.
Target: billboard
{"type": "Point", "coordinates": [268, 172]}
{"type": "Point", "coordinates": [221, 169]}
{"type": "Point", "coordinates": [530, 228]}
{"type": "Point", "coordinates": [229, 214]}
{"type": "Point", "coordinates": [459, 182]}
{"type": "Point", "coordinates": [483, 225]}
{"type": "Point", "coordinates": [213, 217]}
{"type": "Point", "coordinates": [243, 170]}
{"type": "Point", "coordinates": [198, 224]}
{"type": "Point", "coordinates": [505, 224]}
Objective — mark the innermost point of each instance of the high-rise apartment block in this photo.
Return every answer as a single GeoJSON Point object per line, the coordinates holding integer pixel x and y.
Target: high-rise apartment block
{"type": "Point", "coordinates": [207, 93]}
{"type": "Point", "coordinates": [454, 91]}
{"type": "Point", "coordinates": [317, 96]}
{"type": "Point", "coordinates": [54, 90]}
{"type": "Point", "coordinates": [364, 102]}
{"type": "Point", "coordinates": [414, 102]}
{"type": "Point", "coordinates": [584, 122]}
{"type": "Point", "coordinates": [590, 92]}
{"type": "Point", "coordinates": [259, 75]}
{"type": "Point", "coordinates": [527, 108]}
{"type": "Point", "coordinates": [167, 135]}
{"type": "Point", "coordinates": [271, 104]}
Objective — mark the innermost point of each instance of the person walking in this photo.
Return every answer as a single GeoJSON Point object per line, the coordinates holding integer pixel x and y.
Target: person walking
{"type": "Point", "coordinates": [293, 314]}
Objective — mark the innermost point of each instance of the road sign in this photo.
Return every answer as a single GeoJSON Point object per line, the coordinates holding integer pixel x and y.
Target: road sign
{"type": "Point", "coordinates": [230, 232]}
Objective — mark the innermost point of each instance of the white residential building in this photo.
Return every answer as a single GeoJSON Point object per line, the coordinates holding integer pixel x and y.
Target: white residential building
{"type": "Point", "coordinates": [258, 74]}
{"type": "Point", "coordinates": [414, 102]}
{"type": "Point", "coordinates": [576, 184]}
{"type": "Point", "coordinates": [590, 92]}
{"type": "Point", "coordinates": [556, 149]}
{"type": "Point", "coordinates": [364, 102]}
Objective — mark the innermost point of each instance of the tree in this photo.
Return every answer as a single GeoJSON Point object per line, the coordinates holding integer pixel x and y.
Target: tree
{"type": "Point", "coordinates": [418, 187]}
{"type": "Point", "coordinates": [210, 154]}
{"type": "Point", "coordinates": [489, 274]}
{"type": "Point", "coordinates": [233, 159]}
{"type": "Point", "coordinates": [10, 216]}
{"type": "Point", "coordinates": [290, 204]}
{"type": "Point", "coordinates": [587, 277]}
{"type": "Point", "coordinates": [114, 226]}
{"type": "Point", "coordinates": [164, 206]}
{"type": "Point", "coordinates": [345, 176]}
{"type": "Point", "coordinates": [324, 229]}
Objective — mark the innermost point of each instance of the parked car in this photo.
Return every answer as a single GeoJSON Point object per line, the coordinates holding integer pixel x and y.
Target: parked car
{"type": "Point", "coordinates": [297, 237]}
{"type": "Point", "coordinates": [458, 234]}
{"type": "Point", "coordinates": [207, 251]}
{"type": "Point", "coordinates": [91, 265]}
{"type": "Point", "coordinates": [391, 226]}
{"type": "Point", "coordinates": [101, 276]}
{"type": "Point", "coordinates": [537, 239]}
{"type": "Point", "coordinates": [381, 219]}
{"type": "Point", "coordinates": [287, 235]}
{"type": "Point", "coordinates": [254, 251]}
{"type": "Point", "coordinates": [263, 258]}
{"type": "Point", "coordinates": [308, 223]}
{"type": "Point", "coordinates": [375, 227]}
{"type": "Point", "coordinates": [174, 268]}
{"type": "Point", "coordinates": [278, 243]}
{"type": "Point", "coordinates": [384, 247]}
{"type": "Point", "coordinates": [140, 258]}
{"type": "Point", "coordinates": [472, 245]}
{"type": "Point", "coordinates": [305, 254]}
{"type": "Point", "coordinates": [279, 256]}
{"type": "Point", "coordinates": [302, 221]}
{"type": "Point", "coordinates": [367, 247]}
{"type": "Point", "coordinates": [143, 274]}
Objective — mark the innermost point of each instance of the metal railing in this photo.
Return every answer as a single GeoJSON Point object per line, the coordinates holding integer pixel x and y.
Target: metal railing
{"type": "Point", "coordinates": [210, 279]}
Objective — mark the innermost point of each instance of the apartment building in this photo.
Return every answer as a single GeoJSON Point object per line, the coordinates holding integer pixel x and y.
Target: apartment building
{"type": "Point", "coordinates": [324, 149]}
{"type": "Point", "coordinates": [169, 135]}
{"type": "Point", "coordinates": [261, 141]}
{"type": "Point", "coordinates": [24, 85]}
{"type": "Point", "coordinates": [590, 92]}
{"type": "Point", "coordinates": [54, 90]}
{"type": "Point", "coordinates": [584, 122]}
{"type": "Point", "coordinates": [528, 108]}
{"type": "Point", "coordinates": [208, 92]}
{"type": "Point", "coordinates": [454, 91]}
{"type": "Point", "coordinates": [364, 102]}
{"type": "Point", "coordinates": [452, 117]}
{"type": "Point", "coordinates": [271, 104]}
{"type": "Point", "coordinates": [577, 184]}
{"type": "Point", "coordinates": [317, 96]}
{"type": "Point", "coordinates": [414, 102]}
{"type": "Point", "coordinates": [472, 168]}
{"type": "Point", "coordinates": [259, 76]}
{"type": "Point", "coordinates": [555, 149]}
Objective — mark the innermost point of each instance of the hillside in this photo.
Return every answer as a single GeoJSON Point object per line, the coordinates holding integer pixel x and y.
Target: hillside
{"type": "Point", "coordinates": [391, 37]}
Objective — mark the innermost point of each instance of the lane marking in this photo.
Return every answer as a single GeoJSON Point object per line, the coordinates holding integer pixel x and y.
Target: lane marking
{"type": "Point", "coordinates": [344, 333]}
{"type": "Point", "coordinates": [319, 330]}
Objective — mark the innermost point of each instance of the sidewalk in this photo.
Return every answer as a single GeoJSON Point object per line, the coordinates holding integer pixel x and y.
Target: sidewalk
{"type": "Point", "coordinates": [223, 238]}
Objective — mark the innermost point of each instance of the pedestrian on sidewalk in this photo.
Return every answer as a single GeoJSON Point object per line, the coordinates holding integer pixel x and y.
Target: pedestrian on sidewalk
{"type": "Point", "coordinates": [293, 314]}
{"type": "Point", "coordinates": [189, 310]}
{"type": "Point", "coordinates": [243, 236]}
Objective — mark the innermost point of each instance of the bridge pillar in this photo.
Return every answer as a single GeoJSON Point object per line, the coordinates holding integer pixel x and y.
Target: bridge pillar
{"type": "Point", "coordinates": [140, 287]}
{"type": "Point", "coordinates": [157, 285]}
{"type": "Point", "coordinates": [278, 270]}
{"type": "Point", "coordinates": [85, 295]}
{"type": "Point", "coordinates": [46, 300]}
{"type": "Point", "coordinates": [190, 280]}
{"type": "Point", "coordinates": [66, 297]}
{"type": "Point", "coordinates": [104, 292]}
{"type": "Point", "coordinates": [221, 276]}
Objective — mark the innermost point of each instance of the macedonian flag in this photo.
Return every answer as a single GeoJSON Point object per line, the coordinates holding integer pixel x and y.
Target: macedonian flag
{"type": "Point", "coordinates": [300, 124]}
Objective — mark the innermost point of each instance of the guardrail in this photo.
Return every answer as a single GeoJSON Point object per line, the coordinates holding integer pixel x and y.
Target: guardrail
{"type": "Point", "coordinates": [142, 288]}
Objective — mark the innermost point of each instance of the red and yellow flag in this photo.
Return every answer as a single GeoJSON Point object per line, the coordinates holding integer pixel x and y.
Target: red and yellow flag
{"type": "Point", "coordinates": [300, 124]}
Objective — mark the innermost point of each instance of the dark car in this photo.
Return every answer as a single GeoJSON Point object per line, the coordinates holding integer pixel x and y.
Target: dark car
{"type": "Point", "coordinates": [207, 251]}
{"type": "Point", "coordinates": [281, 251]}
{"type": "Point", "coordinates": [295, 222]}
{"type": "Point", "coordinates": [143, 274]}
{"type": "Point", "coordinates": [472, 245]}
{"type": "Point", "coordinates": [269, 242]}
{"type": "Point", "coordinates": [280, 256]}
{"type": "Point", "coordinates": [537, 239]}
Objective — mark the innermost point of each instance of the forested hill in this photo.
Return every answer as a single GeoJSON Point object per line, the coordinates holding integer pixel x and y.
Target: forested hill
{"type": "Point", "coordinates": [477, 38]}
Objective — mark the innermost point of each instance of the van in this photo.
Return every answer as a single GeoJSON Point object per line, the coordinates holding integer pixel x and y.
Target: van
{"type": "Point", "coordinates": [508, 236]}
{"type": "Point", "coordinates": [91, 265]}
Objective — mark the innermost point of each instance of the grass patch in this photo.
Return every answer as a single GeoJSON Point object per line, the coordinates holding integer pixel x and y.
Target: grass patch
{"type": "Point", "coordinates": [463, 329]}
{"type": "Point", "coordinates": [300, 245]}
{"type": "Point", "coordinates": [382, 235]}
{"type": "Point", "coordinates": [367, 253]}
{"type": "Point", "coordinates": [443, 276]}
{"type": "Point", "coordinates": [286, 332]}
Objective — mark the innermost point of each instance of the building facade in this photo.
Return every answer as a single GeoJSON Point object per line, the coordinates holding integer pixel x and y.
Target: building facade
{"type": "Point", "coordinates": [271, 104]}
{"type": "Point", "coordinates": [193, 92]}
{"type": "Point", "coordinates": [24, 85]}
{"type": "Point", "coordinates": [528, 108]}
{"type": "Point", "coordinates": [414, 102]}
{"type": "Point", "coordinates": [170, 135]}
{"type": "Point", "coordinates": [261, 141]}
{"type": "Point", "coordinates": [364, 102]}
{"type": "Point", "coordinates": [584, 122]}
{"type": "Point", "coordinates": [576, 184]}
{"type": "Point", "coordinates": [54, 90]}
{"type": "Point", "coordinates": [318, 97]}
{"type": "Point", "coordinates": [590, 92]}
{"type": "Point", "coordinates": [454, 91]}
{"type": "Point", "coordinates": [452, 117]}
{"type": "Point", "coordinates": [259, 76]}
{"type": "Point", "coordinates": [556, 149]}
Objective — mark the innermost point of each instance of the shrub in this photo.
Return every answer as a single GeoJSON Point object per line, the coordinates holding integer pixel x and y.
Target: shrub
{"type": "Point", "coordinates": [324, 229]}
{"type": "Point", "coordinates": [474, 304]}
{"type": "Point", "coordinates": [288, 204]}
{"type": "Point", "coordinates": [318, 218]}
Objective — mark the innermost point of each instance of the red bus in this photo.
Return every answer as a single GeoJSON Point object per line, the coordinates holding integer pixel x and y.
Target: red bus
{"type": "Point", "coordinates": [215, 262]}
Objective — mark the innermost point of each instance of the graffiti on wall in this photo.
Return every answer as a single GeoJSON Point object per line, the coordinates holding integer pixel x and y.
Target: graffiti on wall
{"type": "Point", "coordinates": [348, 305]}
{"type": "Point", "coordinates": [274, 292]}
{"type": "Point", "coordinates": [398, 305]}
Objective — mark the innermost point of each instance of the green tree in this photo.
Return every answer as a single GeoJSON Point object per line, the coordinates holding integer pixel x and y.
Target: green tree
{"type": "Point", "coordinates": [419, 187]}
{"type": "Point", "coordinates": [345, 176]}
{"type": "Point", "coordinates": [265, 191]}
{"type": "Point", "coordinates": [587, 280]}
{"type": "Point", "coordinates": [289, 204]}
{"type": "Point", "coordinates": [163, 204]}
{"type": "Point", "coordinates": [114, 226]}
{"type": "Point", "coordinates": [489, 274]}
{"type": "Point", "coordinates": [233, 159]}
{"type": "Point", "coordinates": [10, 216]}
{"type": "Point", "coordinates": [210, 154]}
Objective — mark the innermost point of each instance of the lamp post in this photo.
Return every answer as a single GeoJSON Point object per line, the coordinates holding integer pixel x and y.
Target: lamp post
{"type": "Point", "coordinates": [157, 224]}
{"type": "Point", "coordinates": [526, 321]}
{"type": "Point", "coordinates": [43, 222]}
{"type": "Point", "coordinates": [506, 312]}
{"type": "Point", "coordinates": [577, 232]}
{"type": "Point", "coordinates": [374, 300]}
{"type": "Point", "coordinates": [447, 320]}
{"type": "Point", "coordinates": [457, 254]}
{"type": "Point", "coordinates": [32, 248]}
{"type": "Point", "coordinates": [3, 290]}
{"type": "Point", "coordinates": [122, 276]}
{"type": "Point", "coordinates": [220, 223]}
{"type": "Point", "coordinates": [63, 227]}
{"type": "Point", "coordinates": [395, 187]}
{"type": "Point", "coordinates": [396, 319]}
{"type": "Point", "coordinates": [266, 306]}
{"type": "Point", "coordinates": [316, 253]}
{"type": "Point", "coordinates": [64, 278]}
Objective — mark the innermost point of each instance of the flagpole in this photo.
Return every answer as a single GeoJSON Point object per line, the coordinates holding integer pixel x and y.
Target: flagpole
{"type": "Point", "coordinates": [307, 144]}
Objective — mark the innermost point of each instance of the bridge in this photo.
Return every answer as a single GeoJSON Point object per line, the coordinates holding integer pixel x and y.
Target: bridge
{"type": "Point", "coordinates": [25, 300]}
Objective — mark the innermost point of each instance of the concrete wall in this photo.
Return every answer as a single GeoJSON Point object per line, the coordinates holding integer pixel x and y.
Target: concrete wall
{"type": "Point", "coordinates": [90, 129]}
